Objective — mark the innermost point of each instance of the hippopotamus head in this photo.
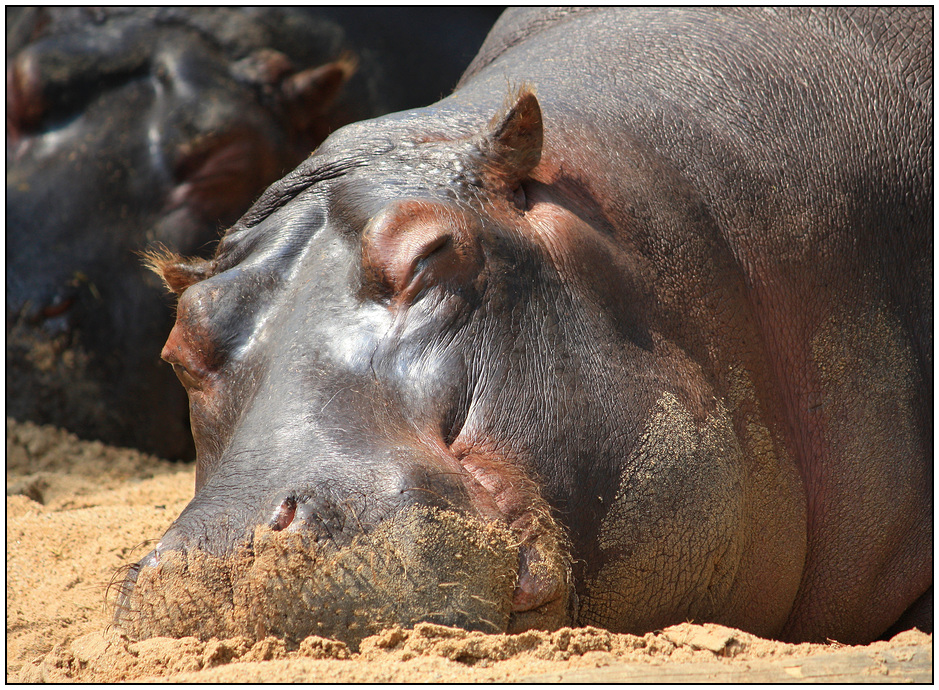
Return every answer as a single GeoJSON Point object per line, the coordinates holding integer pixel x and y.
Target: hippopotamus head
{"type": "Point", "coordinates": [395, 337]}
{"type": "Point", "coordinates": [127, 127]}
{"type": "Point", "coordinates": [383, 416]}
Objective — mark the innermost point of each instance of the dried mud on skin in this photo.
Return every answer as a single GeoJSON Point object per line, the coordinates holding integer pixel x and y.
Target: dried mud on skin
{"type": "Point", "coordinates": [286, 585]}
{"type": "Point", "coordinates": [78, 511]}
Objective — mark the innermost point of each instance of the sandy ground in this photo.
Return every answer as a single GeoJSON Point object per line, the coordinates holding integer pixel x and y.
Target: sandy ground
{"type": "Point", "coordinates": [78, 511]}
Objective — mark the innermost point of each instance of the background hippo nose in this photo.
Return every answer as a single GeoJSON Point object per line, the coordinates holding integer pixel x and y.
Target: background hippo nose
{"type": "Point", "coordinates": [54, 314]}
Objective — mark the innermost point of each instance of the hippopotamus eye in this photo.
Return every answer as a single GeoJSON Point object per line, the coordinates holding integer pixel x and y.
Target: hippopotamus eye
{"type": "Point", "coordinates": [520, 199]}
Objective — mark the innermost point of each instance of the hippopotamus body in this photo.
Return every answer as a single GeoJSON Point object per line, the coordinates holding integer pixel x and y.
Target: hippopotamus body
{"type": "Point", "coordinates": [633, 328]}
{"type": "Point", "coordinates": [133, 126]}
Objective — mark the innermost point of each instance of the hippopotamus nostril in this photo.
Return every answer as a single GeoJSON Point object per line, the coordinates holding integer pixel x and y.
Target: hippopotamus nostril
{"type": "Point", "coordinates": [284, 514]}
{"type": "Point", "coordinates": [319, 519]}
{"type": "Point", "coordinates": [53, 316]}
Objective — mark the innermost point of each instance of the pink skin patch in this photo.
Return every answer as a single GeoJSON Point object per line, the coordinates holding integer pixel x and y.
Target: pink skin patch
{"type": "Point", "coordinates": [515, 498]}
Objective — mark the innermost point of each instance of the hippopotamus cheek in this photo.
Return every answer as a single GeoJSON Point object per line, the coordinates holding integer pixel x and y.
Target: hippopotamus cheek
{"type": "Point", "coordinates": [671, 536]}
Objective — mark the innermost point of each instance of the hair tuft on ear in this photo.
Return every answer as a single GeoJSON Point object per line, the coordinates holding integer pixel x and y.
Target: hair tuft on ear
{"type": "Point", "coordinates": [177, 272]}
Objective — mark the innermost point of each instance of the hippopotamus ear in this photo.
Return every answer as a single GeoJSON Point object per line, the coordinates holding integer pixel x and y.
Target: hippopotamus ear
{"type": "Point", "coordinates": [309, 94]}
{"type": "Point", "coordinates": [177, 272]}
{"type": "Point", "coordinates": [515, 136]}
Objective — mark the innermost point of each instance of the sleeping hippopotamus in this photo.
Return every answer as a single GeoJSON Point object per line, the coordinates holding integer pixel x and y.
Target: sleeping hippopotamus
{"type": "Point", "coordinates": [129, 126]}
{"type": "Point", "coordinates": [632, 328]}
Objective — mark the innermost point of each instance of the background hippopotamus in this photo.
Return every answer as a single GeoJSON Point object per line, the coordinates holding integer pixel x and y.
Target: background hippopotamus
{"type": "Point", "coordinates": [127, 127]}
{"type": "Point", "coordinates": [633, 328]}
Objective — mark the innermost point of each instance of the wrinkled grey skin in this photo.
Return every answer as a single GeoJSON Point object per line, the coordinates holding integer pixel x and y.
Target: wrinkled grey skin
{"type": "Point", "coordinates": [679, 278]}
{"type": "Point", "coordinates": [129, 127]}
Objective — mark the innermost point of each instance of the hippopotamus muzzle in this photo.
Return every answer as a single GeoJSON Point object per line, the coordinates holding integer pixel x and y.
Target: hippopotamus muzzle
{"type": "Point", "coordinates": [435, 546]}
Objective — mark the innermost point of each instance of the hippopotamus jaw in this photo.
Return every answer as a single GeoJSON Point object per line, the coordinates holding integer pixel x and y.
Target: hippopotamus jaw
{"type": "Point", "coordinates": [544, 589]}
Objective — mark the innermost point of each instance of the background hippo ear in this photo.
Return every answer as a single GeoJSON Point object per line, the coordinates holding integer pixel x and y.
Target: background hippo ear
{"type": "Point", "coordinates": [308, 95]}
{"type": "Point", "coordinates": [516, 135]}
{"type": "Point", "coordinates": [177, 272]}
{"type": "Point", "coordinates": [311, 93]}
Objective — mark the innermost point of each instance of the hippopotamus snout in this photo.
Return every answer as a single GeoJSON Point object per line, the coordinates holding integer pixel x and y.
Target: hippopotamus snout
{"type": "Point", "coordinates": [421, 541]}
